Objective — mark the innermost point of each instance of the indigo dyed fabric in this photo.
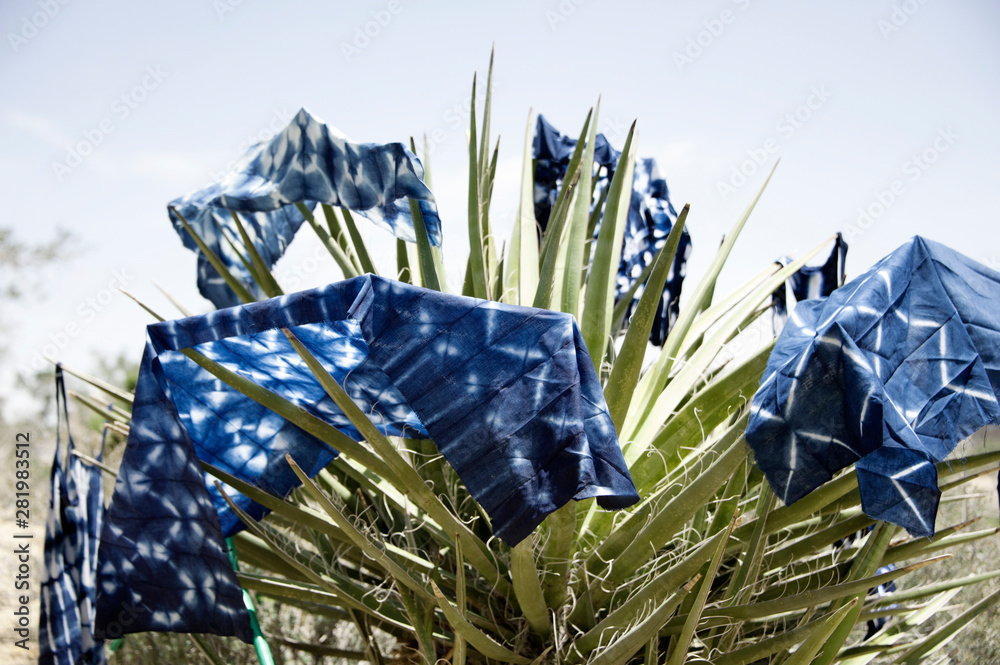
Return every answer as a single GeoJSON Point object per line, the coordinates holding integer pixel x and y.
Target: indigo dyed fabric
{"type": "Point", "coordinates": [508, 394]}
{"type": "Point", "coordinates": [809, 282]}
{"type": "Point", "coordinates": [650, 216]}
{"type": "Point", "coordinates": [162, 563]}
{"type": "Point", "coordinates": [70, 558]}
{"type": "Point", "coordinates": [889, 373]}
{"type": "Point", "coordinates": [307, 162]}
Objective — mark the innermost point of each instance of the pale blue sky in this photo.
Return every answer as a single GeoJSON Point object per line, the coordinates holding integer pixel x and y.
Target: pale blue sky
{"type": "Point", "coordinates": [874, 84]}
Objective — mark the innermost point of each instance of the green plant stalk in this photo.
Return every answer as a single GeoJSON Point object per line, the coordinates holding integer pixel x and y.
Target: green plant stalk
{"type": "Point", "coordinates": [528, 588]}
{"type": "Point", "coordinates": [573, 271]}
{"type": "Point", "coordinates": [339, 235]}
{"type": "Point", "coordinates": [403, 272]}
{"type": "Point", "coordinates": [359, 250]}
{"type": "Point", "coordinates": [375, 551]}
{"type": "Point", "coordinates": [404, 475]}
{"type": "Point", "coordinates": [700, 300]}
{"type": "Point", "coordinates": [682, 644]}
{"type": "Point", "coordinates": [549, 271]}
{"type": "Point", "coordinates": [564, 195]}
{"type": "Point", "coordinates": [942, 636]}
{"type": "Point", "coordinates": [865, 564]}
{"type": "Point", "coordinates": [477, 639]}
{"type": "Point", "coordinates": [521, 266]}
{"type": "Point", "coordinates": [428, 271]}
{"type": "Point", "coordinates": [595, 323]}
{"type": "Point", "coordinates": [336, 251]}
{"type": "Point", "coordinates": [260, 270]}
{"type": "Point", "coordinates": [477, 268]}
{"type": "Point", "coordinates": [625, 373]}
{"type": "Point", "coordinates": [231, 281]}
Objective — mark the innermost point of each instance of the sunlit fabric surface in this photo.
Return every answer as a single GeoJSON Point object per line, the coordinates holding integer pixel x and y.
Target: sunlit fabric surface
{"type": "Point", "coordinates": [66, 612]}
{"type": "Point", "coordinates": [889, 372]}
{"type": "Point", "coordinates": [650, 216]}
{"type": "Point", "coordinates": [308, 162]}
{"type": "Point", "coordinates": [809, 282]}
{"type": "Point", "coordinates": [508, 394]}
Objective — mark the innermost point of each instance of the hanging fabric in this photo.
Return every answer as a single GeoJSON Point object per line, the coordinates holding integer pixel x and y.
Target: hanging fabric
{"type": "Point", "coordinates": [308, 162]}
{"type": "Point", "coordinates": [650, 217]}
{"type": "Point", "coordinates": [508, 394]}
{"type": "Point", "coordinates": [809, 282]}
{"type": "Point", "coordinates": [889, 373]}
{"type": "Point", "coordinates": [68, 589]}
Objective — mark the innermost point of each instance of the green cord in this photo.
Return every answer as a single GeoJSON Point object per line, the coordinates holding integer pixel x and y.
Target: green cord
{"type": "Point", "coordinates": [259, 642]}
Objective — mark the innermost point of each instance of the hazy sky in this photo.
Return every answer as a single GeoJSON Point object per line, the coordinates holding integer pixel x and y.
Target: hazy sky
{"type": "Point", "coordinates": [884, 114]}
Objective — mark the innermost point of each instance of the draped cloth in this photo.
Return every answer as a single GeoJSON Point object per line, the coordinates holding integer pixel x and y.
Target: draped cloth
{"type": "Point", "coordinates": [308, 162]}
{"type": "Point", "coordinates": [508, 394]}
{"type": "Point", "coordinates": [890, 372]}
{"type": "Point", "coordinates": [68, 577]}
{"type": "Point", "coordinates": [650, 217]}
{"type": "Point", "coordinates": [809, 282]}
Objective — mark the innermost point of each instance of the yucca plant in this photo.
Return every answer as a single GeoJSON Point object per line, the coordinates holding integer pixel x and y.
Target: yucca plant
{"type": "Point", "coordinates": [709, 567]}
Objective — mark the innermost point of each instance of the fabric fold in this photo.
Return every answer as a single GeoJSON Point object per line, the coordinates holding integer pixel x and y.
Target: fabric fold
{"type": "Point", "coordinates": [890, 372]}
{"type": "Point", "coordinates": [508, 394]}
{"type": "Point", "coordinates": [307, 162]}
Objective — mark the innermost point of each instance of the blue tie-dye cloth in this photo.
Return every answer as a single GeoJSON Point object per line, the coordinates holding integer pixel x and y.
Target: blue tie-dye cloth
{"type": "Point", "coordinates": [809, 282]}
{"type": "Point", "coordinates": [889, 372]}
{"type": "Point", "coordinates": [307, 162]}
{"type": "Point", "coordinates": [68, 581]}
{"type": "Point", "coordinates": [650, 216]}
{"type": "Point", "coordinates": [508, 394]}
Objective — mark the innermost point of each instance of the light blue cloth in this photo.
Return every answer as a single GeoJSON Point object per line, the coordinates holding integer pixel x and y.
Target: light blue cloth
{"type": "Point", "coordinates": [307, 162]}
{"type": "Point", "coordinates": [889, 373]}
{"type": "Point", "coordinates": [508, 394]}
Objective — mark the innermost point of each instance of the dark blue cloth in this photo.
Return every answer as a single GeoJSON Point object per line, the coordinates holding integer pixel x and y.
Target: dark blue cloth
{"type": "Point", "coordinates": [307, 162]}
{"type": "Point", "coordinates": [508, 394]}
{"type": "Point", "coordinates": [68, 577]}
{"type": "Point", "coordinates": [889, 372]}
{"type": "Point", "coordinates": [650, 216]}
{"type": "Point", "coordinates": [809, 282]}
{"type": "Point", "coordinates": [162, 563]}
